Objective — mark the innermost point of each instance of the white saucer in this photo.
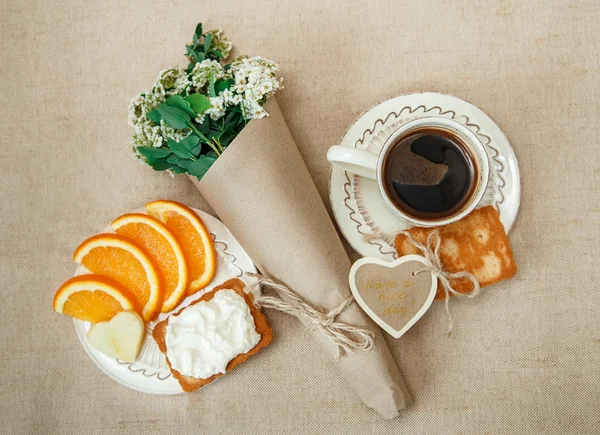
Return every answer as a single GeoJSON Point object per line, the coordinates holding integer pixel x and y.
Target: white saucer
{"type": "Point", "coordinates": [150, 373]}
{"type": "Point", "coordinates": [359, 208]}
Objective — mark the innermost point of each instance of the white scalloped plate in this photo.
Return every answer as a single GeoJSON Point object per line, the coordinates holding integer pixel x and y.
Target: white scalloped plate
{"type": "Point", "coordinates": [357, 205]}
{"type": "Point", "coordinates": [150, 373]}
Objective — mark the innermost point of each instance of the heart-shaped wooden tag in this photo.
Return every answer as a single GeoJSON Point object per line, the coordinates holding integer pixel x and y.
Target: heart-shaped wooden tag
{"type": "Point", "coordinates": [392, 293]}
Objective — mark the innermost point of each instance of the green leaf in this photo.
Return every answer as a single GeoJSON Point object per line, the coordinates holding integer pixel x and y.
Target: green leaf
{"type": "Point", "coordinates": [217, 54]}
{"type": "Point", "coordinates": [226, 139]}
{"type": "Point", "coordinates": [190, 142]}
{"type": "Point", "coordinates": [205, 126]}
{"type": "Point", "coordinates": [179, 149]}
{"type": "Point", "coordinates": [221, 85]}
{"type": "Point", "coordinates": [184, 163]}
{"type": "Point", "coordinates": [229, 127]}
{"type": "Point", "coordinates": [207, 42]}
{"type": "Point", "coordinates": [215, 134]}
{"type": "Point", "coordinates": [195, 40]}
{"type": "Point", "coordinates": [179, 102]}
{"type": "Point", "coordinates": [178, 170]}
{"type": "Point", "coordinates": [198, 56]}
{"type": "Point", "coordinates": [154, 116]}
{"type": "Point", "coordinates": [200, 166]}
{"type": "Point", "coordinates": [174, 117]}
{"type": "Point", "coordinates": [198, 31]}
{"type": "Point", "coordinates": [211, 86]}
{"type": "Point", "coordinates": [154, 153]}
{"type": "Point", "coordinates": [196, 150]}
{"type": "Point", "coordinates": [190, 67]}
{"type": "Point", "coordinates": [232, 120]}
{"type": "Point", "coordinates": [231, 115]}
{"type": "Point", "coordinates": [159, 164]}
{"type": "Point", "coordinates": [199, 103]}
{"type": "Point", "coordinates": [179, 161]}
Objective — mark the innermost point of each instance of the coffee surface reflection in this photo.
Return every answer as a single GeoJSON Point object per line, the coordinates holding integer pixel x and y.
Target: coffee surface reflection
{"type": "Point", "coordinates": [429, 174]}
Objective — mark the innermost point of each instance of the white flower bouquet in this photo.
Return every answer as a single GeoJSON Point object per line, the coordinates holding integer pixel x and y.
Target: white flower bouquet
{"type": "Point", "coordinates": [211, 122]}
{"type": "Point", "coordinates": [189, 117]}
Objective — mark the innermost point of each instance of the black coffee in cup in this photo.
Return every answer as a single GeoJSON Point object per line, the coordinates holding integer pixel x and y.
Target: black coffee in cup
{"type": "Point", "coordinates": [429, 173]}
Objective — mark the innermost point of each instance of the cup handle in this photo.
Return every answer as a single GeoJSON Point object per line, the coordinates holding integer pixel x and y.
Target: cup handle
{"type": "Point", "coordinates": [359, 162]}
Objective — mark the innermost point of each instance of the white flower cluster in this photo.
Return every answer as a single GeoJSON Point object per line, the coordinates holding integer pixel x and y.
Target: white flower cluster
{"type": "Point", "coordinates": [169, 82]}
{"type": "Point", "coordinates": [255, 81]}
{"type": "Point", "coordinates": [171, 133]}
{"type": "Point", "coordinates": [202, 72]}
{"type": "Point", "coordinates": [217, 107]}
{"type": "Point", "coordinates": [221, 42]}
{"type": "Point", "coordinates": [145, 133]}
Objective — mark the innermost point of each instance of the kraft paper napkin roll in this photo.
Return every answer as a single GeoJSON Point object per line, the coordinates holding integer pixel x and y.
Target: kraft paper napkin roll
{"type": "Point", "coordinates": [262, 190]}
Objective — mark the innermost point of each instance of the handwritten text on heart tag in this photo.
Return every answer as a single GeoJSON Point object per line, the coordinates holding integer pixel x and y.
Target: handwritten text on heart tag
{"type": "Point", "coordinates": [393, 294]}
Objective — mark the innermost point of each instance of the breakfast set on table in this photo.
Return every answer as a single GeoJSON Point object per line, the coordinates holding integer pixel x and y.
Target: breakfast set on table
{"type": "Point", "coordinates": [167, 298]}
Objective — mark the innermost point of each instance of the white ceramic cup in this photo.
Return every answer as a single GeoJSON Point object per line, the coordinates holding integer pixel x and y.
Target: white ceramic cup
{"type": "Point", "coordinates": [370, 165]}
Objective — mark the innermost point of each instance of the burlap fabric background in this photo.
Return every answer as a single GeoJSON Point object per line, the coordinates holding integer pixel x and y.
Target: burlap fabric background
{"type": "Point", "coordinates": [525, 354]}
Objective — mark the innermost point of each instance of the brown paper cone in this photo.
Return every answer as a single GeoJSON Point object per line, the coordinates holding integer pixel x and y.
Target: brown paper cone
{"type": "Point", "coordinates": [262, 190]}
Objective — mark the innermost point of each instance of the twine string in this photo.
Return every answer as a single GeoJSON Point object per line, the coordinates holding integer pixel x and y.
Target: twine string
{"type": "Point", "coordinates": [346, 337]}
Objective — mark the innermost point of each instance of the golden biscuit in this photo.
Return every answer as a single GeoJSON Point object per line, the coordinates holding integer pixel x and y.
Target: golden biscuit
{"type": "Point", "coordinates": [476, 244]}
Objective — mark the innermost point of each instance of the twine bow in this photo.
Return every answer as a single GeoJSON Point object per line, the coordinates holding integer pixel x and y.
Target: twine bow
{"type": "Point", "coordinates": [347, 338]}
{"type": "Point", "coordinates": [431, 252]}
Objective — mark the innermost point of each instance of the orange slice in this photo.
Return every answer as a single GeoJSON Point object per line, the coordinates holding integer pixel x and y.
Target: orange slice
{"type": "Point", "coordinates": [164, 250]}
{"type": "Point", "coordinates": [192, 235]}
{"type": "Point", "coordinates": [92, 298]}
{"type": "Point", "coordinates": [119, 258]}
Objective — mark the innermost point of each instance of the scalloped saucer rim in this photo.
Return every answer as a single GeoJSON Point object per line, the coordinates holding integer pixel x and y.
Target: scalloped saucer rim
{"type": "Point", "coordinates": [352, 219]}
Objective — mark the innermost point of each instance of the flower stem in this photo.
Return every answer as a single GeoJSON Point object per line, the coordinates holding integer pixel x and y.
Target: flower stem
{"type": "Point", "coordinates": [207, 140]}
{"type": "Point", "coordinates": [218, 142]}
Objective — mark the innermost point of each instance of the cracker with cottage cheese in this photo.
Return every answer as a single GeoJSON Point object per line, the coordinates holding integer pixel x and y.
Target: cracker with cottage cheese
{"type": "Point", "coordinates": [199, 342]}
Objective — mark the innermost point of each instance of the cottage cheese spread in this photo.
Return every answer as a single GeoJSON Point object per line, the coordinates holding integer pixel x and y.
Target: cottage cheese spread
{"type": "Point", "coordinates": [206, 336]}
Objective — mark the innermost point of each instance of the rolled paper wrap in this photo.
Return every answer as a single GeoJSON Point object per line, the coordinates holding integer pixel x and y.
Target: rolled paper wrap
{"type": "Point", "coordinates": [261, 189]}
